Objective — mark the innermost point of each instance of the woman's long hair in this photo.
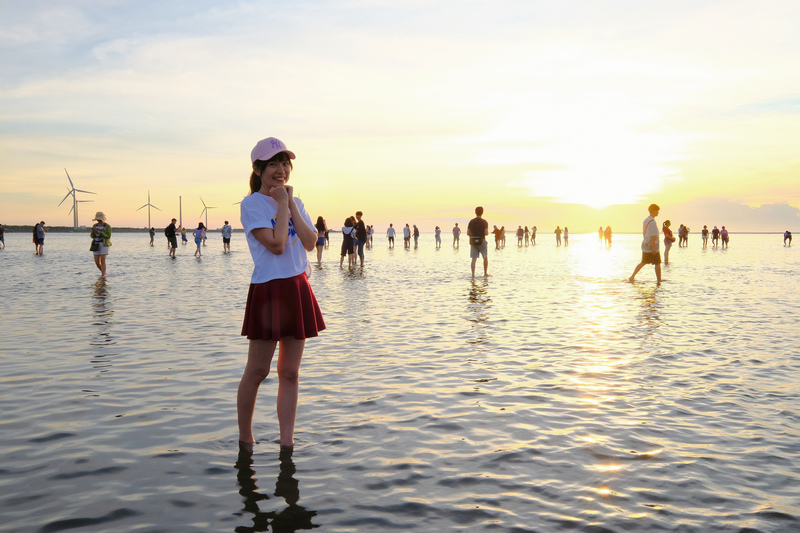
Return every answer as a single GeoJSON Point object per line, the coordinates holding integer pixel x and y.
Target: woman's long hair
{"type": "Point", "coordinates": [259, 166]}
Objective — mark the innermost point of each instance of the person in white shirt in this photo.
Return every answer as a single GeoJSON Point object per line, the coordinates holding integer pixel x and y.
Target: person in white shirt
{"type": "Point", "coordinates": [456, 235]}
{"type": "Point", "coordinates": [281, 308]}
{"type": "Point", "coordinates": [227, 231]}
{"type": "Point", "coordinates": [390, 235]}
{"type": "Point", "coordinates": [651, 248]}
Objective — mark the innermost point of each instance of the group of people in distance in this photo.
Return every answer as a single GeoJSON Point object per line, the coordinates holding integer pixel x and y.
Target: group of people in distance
{"type": "Point", "coordinates": [716, 236]}
{"type": "Point", "coordinates": [355, 236]}
{"type": "Point", "coordinates": [604, 234]}
{"type": "Point", "coordinates": [199, 234]}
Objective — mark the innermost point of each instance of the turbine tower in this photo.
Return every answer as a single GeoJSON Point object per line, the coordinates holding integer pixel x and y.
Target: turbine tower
{"type": "Point", "coordinates": [205, 210]}
{"type": "Point", "coordinates": [72, 190]}
{"type": "Point", "coordinates": [148, 205]}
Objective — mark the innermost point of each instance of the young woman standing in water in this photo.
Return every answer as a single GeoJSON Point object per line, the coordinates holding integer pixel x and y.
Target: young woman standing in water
{"type": "Point", "coordinates": [281, 309]}
{"type": "Point", "coordinates": [101, 240]}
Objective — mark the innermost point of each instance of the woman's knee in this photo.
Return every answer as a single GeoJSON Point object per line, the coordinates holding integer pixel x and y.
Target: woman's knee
{"type": "Point", "coordinates": [289, 375]}
{"type": "Point", "coordinates": [257, 373]}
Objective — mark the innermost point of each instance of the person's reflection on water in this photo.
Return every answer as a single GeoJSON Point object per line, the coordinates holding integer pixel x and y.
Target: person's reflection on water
{"type": "Point", "coordinates": [649, 319]}
{"type": "Point", "coordinates": [102, 313]}
{"type": "Point", "coordinates": [292, 518]}
{"type": "Point", "coordinates": [478, 311]}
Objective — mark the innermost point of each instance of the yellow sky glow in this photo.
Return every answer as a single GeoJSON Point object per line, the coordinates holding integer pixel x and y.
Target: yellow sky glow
{"type": "Point", "coordinates": [413, 113]}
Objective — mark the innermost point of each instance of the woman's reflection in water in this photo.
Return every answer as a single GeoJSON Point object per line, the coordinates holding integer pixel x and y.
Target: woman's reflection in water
{"type": "Point", "coordinates": [292, 518]}
{"type": "Point", "coordinates": [103, 314]}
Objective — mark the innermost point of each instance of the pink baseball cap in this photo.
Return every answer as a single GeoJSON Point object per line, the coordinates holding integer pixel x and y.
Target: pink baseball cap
{"type": "Point", "coordinates": [265, 149]}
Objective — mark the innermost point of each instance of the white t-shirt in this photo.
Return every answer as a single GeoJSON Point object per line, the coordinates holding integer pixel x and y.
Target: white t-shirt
{"type": "Point", "coordinates": [259, 211]}
{"type": "Point", "coordinates": [649, 230]}
{"type": "Point", "coordinates": [390, 232]}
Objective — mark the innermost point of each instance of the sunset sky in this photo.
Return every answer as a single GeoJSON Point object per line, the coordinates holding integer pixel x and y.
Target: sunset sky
{"type": "Point", "coordinates": [576, 113]}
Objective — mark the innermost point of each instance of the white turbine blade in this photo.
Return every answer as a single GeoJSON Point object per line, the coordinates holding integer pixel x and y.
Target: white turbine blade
{"type": "Point", "coordinates": [87, 192]}
{"type": "Point", "coordinates": [154, 207]}
{"type": "Point", "coordinates": [70, 209]}
{"type": "Point", "coordinates": [70, 179]}
{"type": "Point", "coordinates": [67, 196]}
{"type": "Point", "coordinates": [145, 205]}
{"type": "Point", "coordinates": [201, 200]}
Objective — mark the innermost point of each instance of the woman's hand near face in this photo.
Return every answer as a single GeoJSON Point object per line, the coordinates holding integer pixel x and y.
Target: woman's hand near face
{"type": "Point", "coordinates": [280, 194]}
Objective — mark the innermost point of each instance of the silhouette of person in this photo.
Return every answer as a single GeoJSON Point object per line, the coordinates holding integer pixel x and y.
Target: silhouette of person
{"type": "Point", "coordinates": [321, 228]}
{"type": "Point", "coordinates": [101, 240]}
{"type": "Point", "coordinates": [498, 236]}
{"type": "Point", "coordinates": [607, 235]}
{"type": "Point", "coordinates": [38, 234]}
{"type": "Point", "coordinates": [390, 235]}
{"type": "Point", "coordinates": [198, 238]}
{"type": "Point", "coordinates": [714, 237]}
{"type": "Point", "coordinates": [477, 230]}
{"type": "Point", "coordinates": [724, 236]}
{"type": "Point", "coordinates": [226, 231]}
{"type": "Point", "coordinates": [361, 236]}
{"type": "Point", "coordinates": [669, 238]}
{"type": "Point", "coordinates": [651, 254]}
{"type": "Point", "coordinates": [292, 518]}
{"type": "Point", "coordinates": [172, 239]}
{"type": "Point", "coordinates": [787, 235]}
{"type": "Point", "coordinates": [704, 234]}
{"type": "Point", "coordinates": [456, 235]}
{"type": "Point", "coordinates": [348, 242]}
{"type": "Point", "coordinates": [558, 232]}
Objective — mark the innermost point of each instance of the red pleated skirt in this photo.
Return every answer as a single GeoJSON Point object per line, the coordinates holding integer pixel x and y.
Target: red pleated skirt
{"type": "Point", "coordinates": [282, 308]}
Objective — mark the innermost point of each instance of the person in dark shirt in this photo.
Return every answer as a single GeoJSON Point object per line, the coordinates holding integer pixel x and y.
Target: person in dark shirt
{"type": "Point", "coordinates": [477, 230]}
{"type": "Point", "coordinates": [169, 231]}
{"type": "Point", "coordinates": [361, 236]}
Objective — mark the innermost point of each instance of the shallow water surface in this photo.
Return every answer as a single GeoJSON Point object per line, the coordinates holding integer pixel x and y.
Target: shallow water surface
{"type": "Point", "coordinates": [550, 396]}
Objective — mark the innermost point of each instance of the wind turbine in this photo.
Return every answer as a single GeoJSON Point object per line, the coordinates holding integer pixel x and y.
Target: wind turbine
{"type": "Point", "coordinates": [205, 210]}
{"type": "Point", "coordinates": [148, 205]}
{"type": "Point", "coordinates": [75, 200]}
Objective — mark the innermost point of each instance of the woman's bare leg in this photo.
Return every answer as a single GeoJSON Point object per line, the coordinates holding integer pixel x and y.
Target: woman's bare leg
{"type": "Point", "coordinates": [259, 359]}
{"type": "Point", "coordinates": [289, 357]}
